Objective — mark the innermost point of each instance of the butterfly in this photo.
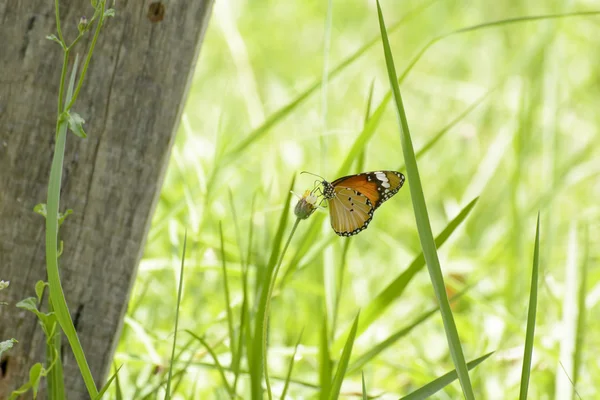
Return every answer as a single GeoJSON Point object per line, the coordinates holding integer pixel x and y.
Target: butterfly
{"type": "Point", "coordinates": [353, 199]}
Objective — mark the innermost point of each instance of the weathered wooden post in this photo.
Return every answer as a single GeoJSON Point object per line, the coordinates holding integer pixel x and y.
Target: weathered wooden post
{"type": "Point", "coordinates": [132, 100]}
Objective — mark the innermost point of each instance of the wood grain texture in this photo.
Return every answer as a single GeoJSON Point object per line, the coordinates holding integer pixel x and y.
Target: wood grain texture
{"type": "Point", "coordinates": [131, 101]}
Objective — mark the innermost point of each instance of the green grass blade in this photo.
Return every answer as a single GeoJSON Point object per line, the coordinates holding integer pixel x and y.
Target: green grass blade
{"type": "Point", "coordinates": [57, 295]}
{"type": "Point", "coordinates": [581, 316]}
{"type": "Point", "coordinates": [102, 391]}
{"type": "Point", "coordinates": [394, 290]}
{"type": "Point", "coordinates": [340, 372]}
{"type": "Point", "coordinates": [423, 224]}
{"type": "Point", "coordinates": [526, 371]}
{"type": "Point", "coordinates": [364, 387]}
{"type": "Point", "coordinates": [179, 290]}
{"type": "Point", "coordinates": [259, 335]}
{"type": "Point", "coordinates": [246, 327]}
{"type": "Point", "coordinates": [383, 345]}
{"type": "Point", "coordinates": [435, 386]}
{"type": "Point", "coordinates": [56, 380]}
{"type": "Point", "coordinates": [325, 372]}
{"type": "Point", "coordinates": [267, 312]}
{"type": "Point", "coordinates": [218, 365]}
{"type": "Point", "coordinates": [237, 357]}
{"type": "Point", "coordinates": [291, 368]}
{"type": "Point", "coordinates": [491, 24]}
{"type": "Point", "coordinates": [227, 297]}
{"type": "Point", "coordinates": [118, 390]}
{"type": "Point", "coordinates": [374, 351]}
{"type": "Point", "coordinates": [364, 137]}
{"type": "Point", "coordinates": [436, 138]}
{"type": "Point", "coordinates": [564, 386]}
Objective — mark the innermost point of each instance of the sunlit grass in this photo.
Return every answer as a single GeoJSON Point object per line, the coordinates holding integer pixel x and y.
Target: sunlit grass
{"type": "Point", "coordinates": [506, 114]}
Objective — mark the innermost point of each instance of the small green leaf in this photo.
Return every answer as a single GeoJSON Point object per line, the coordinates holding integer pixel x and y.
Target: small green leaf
{"type": "Point", "coordinates": [39, 290]}
{"type": "Point", "coordinates": [109, 13]}
{"type": "Point", "coordinates": [76, 124]}
{"type": "Point", "coordinates": [28, 304]}
{"type": "Point", "coordinates": [48, 320]}
{"type": "Point", "coordinates": [94, 3]}
{"type": "Point", "coordinates": [35, 374]}
{"type": "Point", "coordinates": [7, 345]}
{"type": "Point", "coordinates": [55, 39]}
{"type": "Point", "coordinates": [4, 284]}
{"type": "Point", "coordinates": [40, 209]}
{"type": "Point", "coordinates": [60, 248]}
{"type": "Point", "coordinates": [63, 216]}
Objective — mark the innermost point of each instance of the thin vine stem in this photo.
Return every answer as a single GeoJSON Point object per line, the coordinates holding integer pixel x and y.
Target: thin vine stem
{"type": "Point", "coordinates": [89, 56]}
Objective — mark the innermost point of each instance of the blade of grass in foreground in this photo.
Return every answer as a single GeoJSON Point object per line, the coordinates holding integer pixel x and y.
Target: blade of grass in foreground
{"type": "Point", "coordinates": [57, 295]}
{"type": "Point", "coordinates": [531, 315]}
{"type": "Point", "coordinates": [107, 385]}
{"type": "Point", "coordinates": [227, 298]}
{"type": "Point", "coordinates": [581, 316]}
{"type": "Point", "coordinates": [364, 387]}
{"type": "Point", "coordinates": [394, 290]}
{"type": "Point", "coordinates": [216, 360]}
{"type": "Point", "coordinates": [324, 358]}
{"type": "Point", "coordinates": [441, 382]}
{"type": "Point", "coordinates": [179, 290]}
{"type": "Point", "coordinates": [336, 385]}
{"type": "Point", "coordinates": [381, 346]}
{"type": "Point", "coordinates": [291, 368]}
{"type": "Point", "coordinates": [423, 224]}
{"type": "Point", "coordinates": [260, 329]}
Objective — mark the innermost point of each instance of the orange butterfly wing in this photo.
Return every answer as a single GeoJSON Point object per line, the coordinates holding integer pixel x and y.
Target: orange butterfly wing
{"type": "Point", "coordinates": [349, 211]}
{"type": "Point", "coordinates": [378, 186]}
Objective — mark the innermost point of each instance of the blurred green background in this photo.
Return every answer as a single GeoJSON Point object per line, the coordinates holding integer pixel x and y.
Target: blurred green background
{"type": "Point", "coordinates": [530, 144]}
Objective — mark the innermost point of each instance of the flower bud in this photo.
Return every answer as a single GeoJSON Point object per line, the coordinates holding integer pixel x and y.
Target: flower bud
{"type": "Point", "coordinates": [83, 25]}
{"type": "Point", "coordinates": [306, 205]}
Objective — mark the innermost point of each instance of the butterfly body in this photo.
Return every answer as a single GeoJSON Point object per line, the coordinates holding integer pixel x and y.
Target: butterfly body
{"type": "Point", "coordinates": [353, 199]}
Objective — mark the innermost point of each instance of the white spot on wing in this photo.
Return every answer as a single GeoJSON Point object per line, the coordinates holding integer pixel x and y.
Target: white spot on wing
{"type": "Point", "coordinates": [385, 185]}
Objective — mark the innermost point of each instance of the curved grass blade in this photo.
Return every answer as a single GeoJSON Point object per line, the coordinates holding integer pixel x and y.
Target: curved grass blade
{"type": "Point", "coordinates": [215, 359]}
{"type": "Point", "coordinates": [441, 382]}
{"type": "Point", "coordinates": [423, 224]}
{"type": "Point", "coordinates": [433, 141]}
{"type": "Point", "coordinates": [526, 371]}
{"type": "Point", "coordinates": [107, 385]}
{"type": "Point", "coordinates": [291, 368]}
{"type": "Point", "coordinates": [394, 290]}
{"type": "Point", "coordinates": [336, 385]}
{"type": "Point", "coordinates": [179, 290]}
{"type": "Point", "coordinates": [118, 390]}
{"type": "Point", "coordinates": [378, 348]}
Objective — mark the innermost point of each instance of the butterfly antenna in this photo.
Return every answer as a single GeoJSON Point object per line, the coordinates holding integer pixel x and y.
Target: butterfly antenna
{"type": "Point", "coordinates": [310, 173]}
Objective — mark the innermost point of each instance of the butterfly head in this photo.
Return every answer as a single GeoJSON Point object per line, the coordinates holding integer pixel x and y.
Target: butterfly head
{"type": "Point", "coordinates": [328, 190]}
